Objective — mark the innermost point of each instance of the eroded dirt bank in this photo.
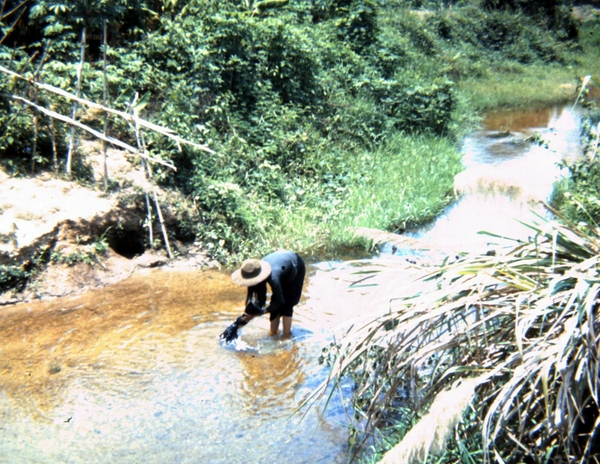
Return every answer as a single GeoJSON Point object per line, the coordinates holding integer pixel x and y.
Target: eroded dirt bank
{"type": "Point", "coordinates": [59, 237]}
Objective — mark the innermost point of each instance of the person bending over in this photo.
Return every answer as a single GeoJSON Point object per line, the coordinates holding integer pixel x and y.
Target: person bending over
{"type": "Point", "coordinates": [284, 271]}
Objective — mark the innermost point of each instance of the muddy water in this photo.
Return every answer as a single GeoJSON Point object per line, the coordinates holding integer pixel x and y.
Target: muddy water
{"type": "Point", "coordinates": [510, 165]}
{"type": "Point", "coordinates": [135, 373]}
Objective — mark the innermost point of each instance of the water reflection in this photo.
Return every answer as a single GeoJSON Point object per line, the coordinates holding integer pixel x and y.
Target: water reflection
{"type": "Point", "coordinates": [521, 119]}
{"type": "Point", "coordinates": [509, 167]}
{"type": "Point", "coordinates": [136, 372]}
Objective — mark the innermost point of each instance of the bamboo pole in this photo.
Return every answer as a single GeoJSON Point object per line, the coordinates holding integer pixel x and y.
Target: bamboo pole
{"type": "Point", "coordinates": [54, 152]}
{"type": "Point", "coordinates": [162, 224]}
{"type": "Point", "coordinates": [139, 136]}
{"type": "Point", "coordinates": [36, 118]}
{"type": "Point", "coordinates": [74, 115]}
{"type": "Point", "coordinates": [94, 132]}
{"type": "Point", "coordinates": [3, 16]}
{"type": "Point", "coordinates": [104, 101]}
{"type": "Point", "coordinates": [15, 22]}
{"type": "Point", "coordinates": [126, 116]}
{"type": "Point", "coordinates": [149, 220]}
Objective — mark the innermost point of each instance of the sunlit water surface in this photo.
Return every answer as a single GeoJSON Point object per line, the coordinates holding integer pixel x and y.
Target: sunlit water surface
{"type": "Point", "coordinates": [135, 373]}
{"type": "Point", "coordinates": [510, 166]}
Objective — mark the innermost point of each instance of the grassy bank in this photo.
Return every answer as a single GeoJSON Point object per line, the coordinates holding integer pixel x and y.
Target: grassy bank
{"type": "Point", "coordinates": [407, 181]}
{"type": "Point", "coordinates": [515, 84]}
{"type": "Point", "coordinates": [323, 115]}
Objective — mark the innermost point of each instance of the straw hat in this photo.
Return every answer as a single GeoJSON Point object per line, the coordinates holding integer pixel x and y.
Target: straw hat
{"type": "Point", "coordinates": [251, 273]}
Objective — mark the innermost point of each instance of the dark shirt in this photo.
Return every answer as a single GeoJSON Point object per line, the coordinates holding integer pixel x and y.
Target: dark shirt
{"type": "Point", "coordinates": [284, 269]}
{"type": "Point", "coordinates": [285, 281]}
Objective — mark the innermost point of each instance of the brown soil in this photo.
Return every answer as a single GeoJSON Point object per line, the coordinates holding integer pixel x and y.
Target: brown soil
{"type": "Point", "coordinates": [67, 219]}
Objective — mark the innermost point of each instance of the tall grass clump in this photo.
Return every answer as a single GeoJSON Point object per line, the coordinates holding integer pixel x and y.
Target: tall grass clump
{"type": "Point", "coordinates": [577, 196]}
{"type": "Point", "coordinates": [407, 181]}
{"type": "Point", "coordinates": [493, 358]}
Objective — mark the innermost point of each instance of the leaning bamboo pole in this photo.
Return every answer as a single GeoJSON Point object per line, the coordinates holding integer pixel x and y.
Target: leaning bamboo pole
{"type": "Point", "coordinates": [139, 137]}
{"type": "Point", "coordinates": [74, 114]}
{"type": "Point", "coordinates": [104, 101]}
{"type": "Point", "coordinates": [126, 116]}
{"type": "Point", "coordinates": [36, 118]}
{"type": "Point", "coordinates": [162, 224]}
{"type": "Point", "coordinates": [149, 220]}
{"type": "Point", "coordinates": [54, 151]}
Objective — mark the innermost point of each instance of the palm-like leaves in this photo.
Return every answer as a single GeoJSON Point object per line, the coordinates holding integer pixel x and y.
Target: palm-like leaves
{"type": "Point", "coordinates": [524, 323]}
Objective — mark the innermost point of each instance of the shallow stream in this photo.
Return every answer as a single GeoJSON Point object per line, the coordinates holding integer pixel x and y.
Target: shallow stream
{"type": "Point", "coordinates": [135, 373]}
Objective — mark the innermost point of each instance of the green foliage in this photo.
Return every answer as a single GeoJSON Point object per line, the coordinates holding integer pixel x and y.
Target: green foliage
{"type": "Point", "coordinates": [12, 276]}
{"type": "Point", "coordinates": [578, 197]}
{"type": "Point", "coordinates": [290, 95]}
{"type": "Point", "coordinates": [82, 253]}
{"type": "Point", "coordinates": [500, 35]}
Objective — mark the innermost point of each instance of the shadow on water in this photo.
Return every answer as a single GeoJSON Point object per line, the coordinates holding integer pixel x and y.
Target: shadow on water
{"type": "Point", "coordinates": [135, 372]}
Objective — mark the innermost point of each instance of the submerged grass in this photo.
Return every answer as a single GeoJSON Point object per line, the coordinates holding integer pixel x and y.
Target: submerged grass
{"type": "Point", "coordinates": [515, 335]}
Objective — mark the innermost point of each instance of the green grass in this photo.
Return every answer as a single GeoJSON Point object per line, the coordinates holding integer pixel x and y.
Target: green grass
{"type": "Point", "coordinates": [407, 181]}
{"type": "Point", "coordinates": [511, 84]}
{"type": "Point", "coordinates": [520, 86]}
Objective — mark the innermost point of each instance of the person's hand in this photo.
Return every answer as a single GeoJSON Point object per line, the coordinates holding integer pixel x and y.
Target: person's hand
{"type": "Point", "coordinates": [253, 310]}
{"type": "Point", "coordinates": [231, 332]}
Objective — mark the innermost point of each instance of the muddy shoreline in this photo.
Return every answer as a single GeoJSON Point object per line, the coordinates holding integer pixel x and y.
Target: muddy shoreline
{"type": "Point", "coordinates": [60, 280]}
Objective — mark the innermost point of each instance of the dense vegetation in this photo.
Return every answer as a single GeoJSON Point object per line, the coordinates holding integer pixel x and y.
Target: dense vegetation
{"type": "Point", "coordinates": [326, 115]}
{"type": "Point", "coordinates": [323, 114]}
{"type": "Point", "coordinates": [495, 359]}
{"type": "Point", "coordinates": [577, 196]}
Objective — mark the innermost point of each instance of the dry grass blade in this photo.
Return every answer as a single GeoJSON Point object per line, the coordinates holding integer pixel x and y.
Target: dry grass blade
{"type": "Point", "coordinates": [524, 322]}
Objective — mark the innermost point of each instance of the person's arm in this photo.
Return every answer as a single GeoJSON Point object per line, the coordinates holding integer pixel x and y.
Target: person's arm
{"type": "Point", "coordinates": [251, 311]}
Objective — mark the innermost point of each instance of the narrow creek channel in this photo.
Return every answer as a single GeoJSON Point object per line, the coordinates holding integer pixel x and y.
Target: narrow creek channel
{"type": "Point", "coordinates": [135, 373]}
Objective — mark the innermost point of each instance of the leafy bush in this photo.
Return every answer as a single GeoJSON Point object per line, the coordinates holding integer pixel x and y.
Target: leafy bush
{"type": "Point", "coordinates": [287, 93]}
{"type": "Point", "coordinates": [12, 276]}
{"type": "Point", "coordinates": [578, 197]}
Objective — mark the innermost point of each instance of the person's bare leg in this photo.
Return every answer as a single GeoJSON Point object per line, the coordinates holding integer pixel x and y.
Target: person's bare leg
{"type": "Point", "coordinates": [275, 326]}
{"type": "Point", "coordinates": [287, 326]}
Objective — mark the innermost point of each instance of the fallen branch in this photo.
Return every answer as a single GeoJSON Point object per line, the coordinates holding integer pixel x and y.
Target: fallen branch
{"type": "Point", "coordinates": [95, 133]}
{"type": "Point", "coordinates": [128, 117]}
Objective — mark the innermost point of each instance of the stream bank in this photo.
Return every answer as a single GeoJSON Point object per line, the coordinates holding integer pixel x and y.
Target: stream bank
{"type": "Point", "coordinates": [60, 237]}
{"type": "Point", "coordinates": [135, 371]}
{"type": "Point", "coordinates": [66, 238]}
